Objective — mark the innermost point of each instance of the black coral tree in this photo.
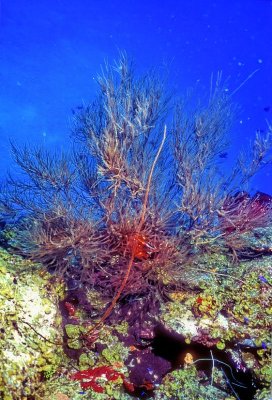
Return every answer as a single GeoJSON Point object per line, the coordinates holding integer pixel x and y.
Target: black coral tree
{"type": "Point", "coordinates": [142, 196]}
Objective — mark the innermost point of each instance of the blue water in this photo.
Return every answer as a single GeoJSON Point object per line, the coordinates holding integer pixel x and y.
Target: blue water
{"type": "Point", "coordinates": [51, 52]}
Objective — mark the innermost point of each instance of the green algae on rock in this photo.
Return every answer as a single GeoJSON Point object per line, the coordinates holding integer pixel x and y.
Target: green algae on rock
{"type": "Point", "coordinates": [184, 384]}
{"type": "Point", "coordinates": [29, 315]}
{"type": "Point", "coordinates": [233, 315]}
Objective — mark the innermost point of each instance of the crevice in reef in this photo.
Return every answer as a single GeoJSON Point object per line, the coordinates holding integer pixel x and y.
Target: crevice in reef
{"type": "Point", "coordinates": [172, 347]}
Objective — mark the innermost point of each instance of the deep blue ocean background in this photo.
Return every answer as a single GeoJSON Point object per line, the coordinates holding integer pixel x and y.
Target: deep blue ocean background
{"type": "Point", "coordinates": [51, 53]}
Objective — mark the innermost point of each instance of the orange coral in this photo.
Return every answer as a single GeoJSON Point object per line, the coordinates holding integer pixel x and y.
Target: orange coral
{"type": "Point", "coordinates": [139, 242]}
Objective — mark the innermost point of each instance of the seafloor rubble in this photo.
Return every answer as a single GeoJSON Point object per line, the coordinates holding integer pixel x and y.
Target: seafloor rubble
{"type": "Point", "coordinates": [208, 341]}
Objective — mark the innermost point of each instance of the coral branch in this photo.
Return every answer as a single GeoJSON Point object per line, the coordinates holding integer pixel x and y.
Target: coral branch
{"type": "Point", "coordinates": [134, 246]}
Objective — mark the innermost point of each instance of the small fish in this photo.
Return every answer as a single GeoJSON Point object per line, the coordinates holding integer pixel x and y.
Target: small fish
{"type": "Point", "coordinates": [76, 109]}
{"type": "Point", "coordinates": [223, 155]}
{"type": "Point", "coordinates": [263, 279]}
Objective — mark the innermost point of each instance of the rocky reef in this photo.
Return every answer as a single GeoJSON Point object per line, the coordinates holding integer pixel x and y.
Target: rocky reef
{"type": "Point", "coordinates": [209, 341]}
{"type": "Point", "coordinates": [30, 328]}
